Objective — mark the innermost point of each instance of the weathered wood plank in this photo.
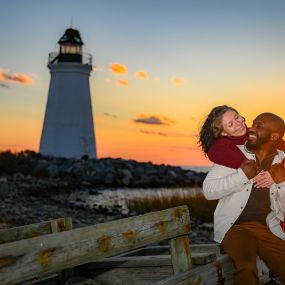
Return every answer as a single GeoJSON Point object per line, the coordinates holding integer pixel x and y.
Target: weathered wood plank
{"type": "Point", "coordinates": [201, 258]}
{"type": "Point", "coordinates": [146, 261]}
{"type": "Point", "coordinates": [165, 249]}
{"type": "Point", "coordinates": [180, 253]}
{"type": "Point", "coordinates": [35, 230]}
{"type": "Point", "coordinates": [51, 253]}
{"type": "Point", "coordinates": [206, 247]}
{"type": "Point", "coordinates": [217, 272]}
{"type": "Point", "coordinates": [116, 276]}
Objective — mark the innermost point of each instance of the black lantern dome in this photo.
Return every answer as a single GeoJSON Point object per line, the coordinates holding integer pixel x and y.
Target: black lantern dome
{"type": "Point", "coordinates": [70, 46]}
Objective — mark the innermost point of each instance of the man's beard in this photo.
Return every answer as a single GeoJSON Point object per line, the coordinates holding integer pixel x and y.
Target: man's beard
{"type": "Point", "coordinates": [253, 146]}
{"type": "Point", "coordinates": [260, 141]}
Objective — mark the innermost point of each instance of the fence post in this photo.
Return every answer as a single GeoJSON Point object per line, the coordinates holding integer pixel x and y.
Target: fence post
{"type": "Point", "coordinates": [180, 253]}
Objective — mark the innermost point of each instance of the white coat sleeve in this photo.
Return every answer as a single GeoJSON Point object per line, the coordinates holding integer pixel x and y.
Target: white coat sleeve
{"type": "Point", "coordinates": [222, 181]}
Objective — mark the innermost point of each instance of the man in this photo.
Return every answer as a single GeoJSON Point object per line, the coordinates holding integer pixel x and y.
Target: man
{"type": "Point", "coordinates": [247, 218]}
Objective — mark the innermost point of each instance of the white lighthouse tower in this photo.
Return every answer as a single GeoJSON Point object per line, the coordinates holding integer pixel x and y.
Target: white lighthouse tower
{"type": "Point", "coordinates": [68, 129]}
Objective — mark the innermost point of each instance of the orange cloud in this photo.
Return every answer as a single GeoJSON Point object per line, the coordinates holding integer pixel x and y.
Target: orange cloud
{"type": "Point", "coordinates": [109, 115]}
{"type": "Point", "coordinates": [167, 134]}
{"type": "Point", "coordinates": [123, 82]}
{"type": "Point", "coordinates": [16, 77]}
{"type": "Point", "coordinates": [153, 120]}
{"type": "Point", "coordinates": [141, 74]}
{"type": "Point", "coordinates": [154, 133]}
{"type": "Point", "coordinates": [177, 81]}
{"type": "Point", "coordinates": [118, 68]}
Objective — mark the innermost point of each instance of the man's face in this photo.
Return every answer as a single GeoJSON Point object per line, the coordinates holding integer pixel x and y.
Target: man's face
{"type": "Point", "coordinates": [259, 133]}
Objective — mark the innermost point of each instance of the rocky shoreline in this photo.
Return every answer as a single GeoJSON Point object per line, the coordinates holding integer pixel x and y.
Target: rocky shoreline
{"type": "Point", "coordinates": [105, 172]}
{"type": "Point", "coordinates": [34, 188]}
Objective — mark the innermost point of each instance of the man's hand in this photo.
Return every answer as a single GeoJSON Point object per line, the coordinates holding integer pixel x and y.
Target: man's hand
{"type": "Point", "coordinates": [249, 168]}
{"type": "Point", "coordinates": [277, 172]}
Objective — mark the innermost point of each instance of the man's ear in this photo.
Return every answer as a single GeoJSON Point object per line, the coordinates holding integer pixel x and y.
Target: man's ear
{"type": "Point", "coordinates": [275, 136]}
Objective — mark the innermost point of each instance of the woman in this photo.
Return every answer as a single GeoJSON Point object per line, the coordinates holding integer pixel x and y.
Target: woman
{"type": "Point", "coordinates": [223, 129]}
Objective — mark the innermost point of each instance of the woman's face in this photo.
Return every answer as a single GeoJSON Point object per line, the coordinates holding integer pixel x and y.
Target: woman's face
{"type": "Point", "coordinates": [233, 124]}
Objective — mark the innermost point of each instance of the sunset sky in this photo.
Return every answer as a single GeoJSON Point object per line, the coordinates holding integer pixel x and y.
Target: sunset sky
{"type": "Point", "coordinates": [159, 67]}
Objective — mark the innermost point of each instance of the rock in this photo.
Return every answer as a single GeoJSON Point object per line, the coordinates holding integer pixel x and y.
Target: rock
{"type": "Point", "coordinates": [172, 173]}
{"type": "Point", "coordinates": [126, 173]}
{"type": "Point", "coordinates": [3, 179]}
{"type": "Point", "coordinates": [126, 181]}
{"type": "Point", "coordinates": [109, 179]}
{"type": "Point", "coordinates": [92, 192]}
{"type": "Point", "coordinates": [4, 189]}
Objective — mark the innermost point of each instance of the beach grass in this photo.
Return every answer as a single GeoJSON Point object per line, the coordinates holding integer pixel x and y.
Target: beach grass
{"type": "Point", "coordinates": [199, 207]}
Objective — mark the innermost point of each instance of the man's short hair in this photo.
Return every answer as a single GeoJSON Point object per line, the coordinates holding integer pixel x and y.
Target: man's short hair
{"type": "Point", "coordinates": [278, 123]}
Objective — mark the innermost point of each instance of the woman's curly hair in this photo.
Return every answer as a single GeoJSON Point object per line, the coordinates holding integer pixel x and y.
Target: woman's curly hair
{"type": "Point", "coordinates": [212, 127]}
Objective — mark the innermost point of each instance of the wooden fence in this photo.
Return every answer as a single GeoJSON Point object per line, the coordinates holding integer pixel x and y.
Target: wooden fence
{"type": "Point", "coordinates": [25, 259]}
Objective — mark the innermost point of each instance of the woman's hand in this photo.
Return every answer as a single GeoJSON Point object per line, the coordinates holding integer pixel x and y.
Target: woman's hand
{"type": "Point", "coordinates": [263, 179]}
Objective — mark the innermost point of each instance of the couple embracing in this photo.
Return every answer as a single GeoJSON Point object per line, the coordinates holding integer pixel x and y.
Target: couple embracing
{"type": "Point", "coordinates": [248, 179]}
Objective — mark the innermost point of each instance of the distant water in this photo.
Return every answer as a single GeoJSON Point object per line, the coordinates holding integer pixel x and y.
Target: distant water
{"type": "Point", "coordinates": [197, 168]}
{"type": "Point", "coordinates": [108, 198]}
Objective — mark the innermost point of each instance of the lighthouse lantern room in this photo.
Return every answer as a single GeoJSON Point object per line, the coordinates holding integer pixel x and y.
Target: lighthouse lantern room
{"type": "Point", "coordinates": [70, 47]}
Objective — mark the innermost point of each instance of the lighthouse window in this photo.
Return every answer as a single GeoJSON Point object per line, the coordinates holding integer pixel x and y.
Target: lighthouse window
{"type": "Point", "coordinates": [70, 49]}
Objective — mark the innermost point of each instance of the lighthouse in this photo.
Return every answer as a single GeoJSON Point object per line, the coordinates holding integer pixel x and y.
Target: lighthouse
{"type": "Point", "coordinates": [68, 129]}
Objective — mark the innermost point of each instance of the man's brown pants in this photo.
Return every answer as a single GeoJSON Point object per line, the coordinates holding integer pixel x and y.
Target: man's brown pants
{"type": "Point", "coordinates": [244, 242]}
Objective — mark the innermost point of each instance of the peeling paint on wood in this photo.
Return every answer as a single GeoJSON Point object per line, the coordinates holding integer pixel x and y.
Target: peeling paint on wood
{"type": "Point", "coordinates": [6, 261]}
{"type": "Point", "coordinates": [186, 246]}
{"type": "Point", "coordinates": [61, 225]}
{"type": "Point", "coordinates": [187, 228]}
{"type": "Point", "coordinates": [44, 257]}
{"type": "Point", "coordinates": [162, 226]}
{"type": "Point", "coordinates": [179, 212]}
{"type": "Point", "coordinates": [129, 235]}
{"type": "Point", "coordinates": [104, 243]}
